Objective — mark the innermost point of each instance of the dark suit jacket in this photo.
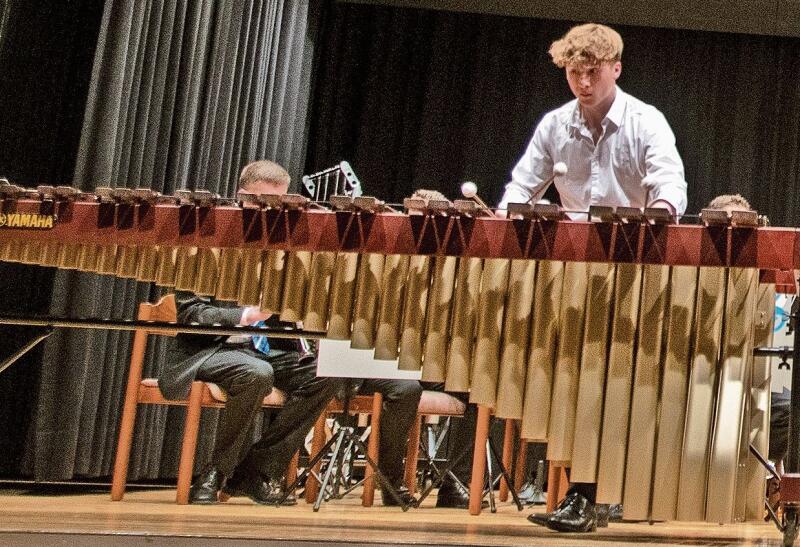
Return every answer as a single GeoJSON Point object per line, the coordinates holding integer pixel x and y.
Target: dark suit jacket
{"type": "Point", "coordinates": [189, 351]}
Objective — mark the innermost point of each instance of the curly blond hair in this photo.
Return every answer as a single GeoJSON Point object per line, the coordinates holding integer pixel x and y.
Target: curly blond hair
{"type": "Point", "coordinates": [587, 44]}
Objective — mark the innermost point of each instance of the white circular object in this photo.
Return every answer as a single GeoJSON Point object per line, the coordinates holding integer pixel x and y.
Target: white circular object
{"type": "Point", "coordinates": [560, 169]}
{"type": "Point", "coordinates": [469, 189]}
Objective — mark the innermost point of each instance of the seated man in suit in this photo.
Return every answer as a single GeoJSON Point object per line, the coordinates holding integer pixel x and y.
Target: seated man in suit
{"type": "Point", "coordinates": [247, 370]}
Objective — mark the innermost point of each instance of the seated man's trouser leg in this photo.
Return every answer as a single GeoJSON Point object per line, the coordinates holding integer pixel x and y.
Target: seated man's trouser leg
{"type": "Point", "coordinates": [307, 397]}
{"type": "Point", "coordinates": [246, 379]}
{"type": "Point", "coordinates": [400, 402]}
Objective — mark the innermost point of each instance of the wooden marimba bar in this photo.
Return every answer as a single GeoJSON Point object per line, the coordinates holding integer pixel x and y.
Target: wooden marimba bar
{"type": "Point", "coordinates": [625, 344]}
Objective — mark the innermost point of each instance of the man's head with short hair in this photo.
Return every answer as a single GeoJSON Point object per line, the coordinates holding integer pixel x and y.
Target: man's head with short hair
{"type": "Point", "coordinates": [590, 56]}
{"type": "Point", "coordinates": [587, 45]}
{"type": "Point", "coordinates": [730, 202]}
{"type": "Point", "coordinates": [428, 195]}
{"type": "Point", "coordinates": [264, 177]}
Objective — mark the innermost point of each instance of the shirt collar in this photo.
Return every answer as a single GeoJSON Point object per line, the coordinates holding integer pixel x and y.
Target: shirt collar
{"type": "Point", "coordinates": [617, 110]}
{"type": "Point", "coordinates": [615, 113]}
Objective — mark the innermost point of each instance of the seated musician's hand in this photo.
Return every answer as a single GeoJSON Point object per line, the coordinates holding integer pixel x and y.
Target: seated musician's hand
{"type": "Point", "coordinates": [251, 314]}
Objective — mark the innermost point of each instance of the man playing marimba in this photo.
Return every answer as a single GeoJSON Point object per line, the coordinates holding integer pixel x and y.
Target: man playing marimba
{"type": "Point", "coordinates": [618, 151]}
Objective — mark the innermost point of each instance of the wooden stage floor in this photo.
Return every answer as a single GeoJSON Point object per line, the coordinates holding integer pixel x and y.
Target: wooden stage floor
{"type": "Point", "coordinates": [32, 516]}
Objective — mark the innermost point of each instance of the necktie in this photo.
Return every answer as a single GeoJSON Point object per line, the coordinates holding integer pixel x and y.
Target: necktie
{"type": "Point", "coordinates": [260, 341]}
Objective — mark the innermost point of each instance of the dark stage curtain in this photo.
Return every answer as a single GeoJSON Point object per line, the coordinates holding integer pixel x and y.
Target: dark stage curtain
{"type": "Point", "coordinates": [183, 93]}
{"type": "Point", "coordinates": [46, 51]}
{"type": "Point", "coordinates": [416, 98]}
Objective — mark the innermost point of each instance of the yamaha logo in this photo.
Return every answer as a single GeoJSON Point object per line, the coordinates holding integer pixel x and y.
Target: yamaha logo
{"type": "Point", "coordinates": [27, 220]}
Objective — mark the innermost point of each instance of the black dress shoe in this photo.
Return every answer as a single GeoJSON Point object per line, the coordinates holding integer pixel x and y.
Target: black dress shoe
{"type": "Point", "coordinates": [402, 493]}
{"type": "Point", "coordinates": [257, 489]}
{"type": "Point", "coordinates": [574, 514]}
{"type": "Point", "coordinates": [205, 488]}
{"type": "Point", "coordinates": [539, 518]}
{"type": "Point", "coordinates": [455, 497]}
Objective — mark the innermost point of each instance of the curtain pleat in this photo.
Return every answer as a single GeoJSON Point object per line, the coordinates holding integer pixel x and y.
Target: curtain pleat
{"type": "Point", "coordinates": [176, 100]}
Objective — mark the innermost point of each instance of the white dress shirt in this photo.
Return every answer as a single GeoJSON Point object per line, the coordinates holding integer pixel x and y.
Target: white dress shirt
{"type": "Point", "coordinates": [634, 162]}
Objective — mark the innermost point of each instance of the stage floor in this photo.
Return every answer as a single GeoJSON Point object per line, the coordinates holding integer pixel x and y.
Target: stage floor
{"type": "Point", "coordinates": [33, 516]}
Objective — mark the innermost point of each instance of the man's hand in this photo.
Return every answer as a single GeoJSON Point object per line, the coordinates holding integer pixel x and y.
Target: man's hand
{"type": "Point", "coordinates": [251, 314]}
{"type": "Point", "coordinates": [663, 204]}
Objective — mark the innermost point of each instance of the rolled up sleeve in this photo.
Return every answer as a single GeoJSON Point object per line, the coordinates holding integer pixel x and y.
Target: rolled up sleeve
{"type": "Point", "coordinates": [535, 166]}
{"type": "Point", "coordinates": [665, 176]}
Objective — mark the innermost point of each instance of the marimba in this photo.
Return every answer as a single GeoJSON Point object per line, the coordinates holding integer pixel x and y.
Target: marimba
{"type": "Point", "coordinates": [624, 343]}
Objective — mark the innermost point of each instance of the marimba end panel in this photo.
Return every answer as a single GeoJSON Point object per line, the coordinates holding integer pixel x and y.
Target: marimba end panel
{"type": "Point", "coordinates": [589, 411]}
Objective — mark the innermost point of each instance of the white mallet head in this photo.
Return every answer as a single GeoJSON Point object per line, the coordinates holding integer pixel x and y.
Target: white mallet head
{"type": "Point", "coordinates": [560, 169]}
{"type": "Point", "coordinates": [469, 189]}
